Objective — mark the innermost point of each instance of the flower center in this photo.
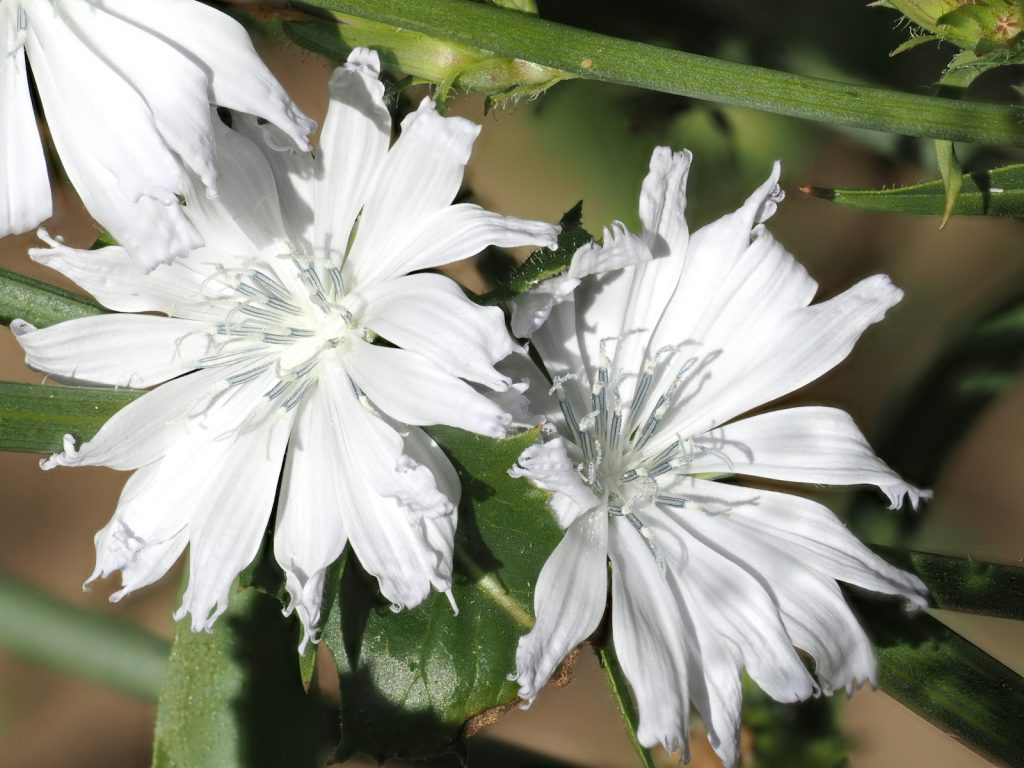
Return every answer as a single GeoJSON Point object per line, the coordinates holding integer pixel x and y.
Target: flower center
{"type": "Point", "coordinates": [283, 321]}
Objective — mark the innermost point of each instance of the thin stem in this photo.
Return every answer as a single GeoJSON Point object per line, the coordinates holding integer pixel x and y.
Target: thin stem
{"type": "Point", "coordinates": [36, 302]}
{"type": "Point", "coordinates": [42, 629]}
{"type": "Point", "coordinates": [594, 56]}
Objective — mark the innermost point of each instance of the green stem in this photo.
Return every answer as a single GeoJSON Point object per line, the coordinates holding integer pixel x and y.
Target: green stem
{"type": "Point", "coordinates": [40, 628]}
{"type": "Point", "coordinates": [39, 303]}
{"type": "Point", "coordinates": [620, 692]}
{"type": "Point", "coordinates": [600, 57]}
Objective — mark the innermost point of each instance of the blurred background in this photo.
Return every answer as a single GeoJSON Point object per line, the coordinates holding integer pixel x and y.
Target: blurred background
{"type": "Point", "coordinates": [592, 141]}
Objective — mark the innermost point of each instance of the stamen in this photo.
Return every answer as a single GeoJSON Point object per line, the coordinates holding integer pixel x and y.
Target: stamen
{"type": "Point", "coordinates": [241, 378]}
{"type": "Point", "coordinates": [296, 397]}
{"type": "Point", "coordinates": [671, 501]}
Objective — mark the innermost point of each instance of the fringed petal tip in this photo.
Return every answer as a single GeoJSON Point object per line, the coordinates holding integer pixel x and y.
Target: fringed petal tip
{"type": "Point", "coordinates": [365, 61]}
{"type": "Point", "coordinates": [900, 493]}
{"type": "Point", "coordinates": [69, 457]}
{"type": "Point", "coordinates": [772, 194]}
{"type": "Point", "coordinates": [305, 598]}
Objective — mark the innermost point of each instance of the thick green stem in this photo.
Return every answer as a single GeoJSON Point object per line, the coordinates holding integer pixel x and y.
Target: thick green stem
{"type": "Point", "coordinates": [600, 57]}
{"type": "Point", "coordinates": [42, 629]}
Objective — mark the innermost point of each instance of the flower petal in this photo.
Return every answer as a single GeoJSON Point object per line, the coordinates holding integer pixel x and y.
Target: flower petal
{"type": "Point", "coordinates": [229, 518]}
{"type": "Point", "coordinates": [310, 531]}
{"type": "Point", "coordinates": [352, 149]}
{"type": "Point", "coordinates": [24, 183]}
{"type": "Point", "coordinates": [547, 465]}
{"type": "Point", "coordinates": [239, 80]}
{"type": "Point", "coordinates": [111, 276]}
{"type": "Point", "coordinates": [781, 357]}
{"type": "Point", "coordinates": [804, 529]}
{"type": "Point", "coordinates": [647, 628]}
{"type": "Point", "coordinates": [663, 201]}
{"type": "Point", "coordinates": [813, 610]}
{"type": "Point", "coordinates": [117, 350]}
{"type": "Point", "coordinates": [450, 234]}
{"type": "Point", "coordinates": [803, 445]}
{"type": "Point", "coordinates": [153, 232]}
{"type": "Point", "coordinates": [569, 602]}
{"type": "Point", "coordinates": [412, 390]}
{"type": "Point", "coordinates": [148, 428]}
{"type": "Point", "coordinates": [618, 249]}
{"type": "Point", "coordinates": [735, 604]}
{"type": "Point", "coordinates": [124, 141]}
{"type": "Point", "coordinates": [245, 216]}
{"type": "Point", "coordinates": [148, 62]}
{"type": "Point", "coordinates": [429, 314]}
{"type": "Point", "coordinates": [421, 175]}
{"type": "Point", "coordinates": [294, 176]}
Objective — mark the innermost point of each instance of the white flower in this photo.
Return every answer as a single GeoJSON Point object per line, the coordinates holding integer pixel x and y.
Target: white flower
{"type": "Point", "coordinates": [267, 360]}
{"type": "Point", "coordinates": [126, 86]}
{"type": "Point", "coordinates": [652, 366]}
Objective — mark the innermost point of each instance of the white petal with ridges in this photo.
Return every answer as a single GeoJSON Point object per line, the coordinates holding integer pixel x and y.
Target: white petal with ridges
{"type": "Point", "coordinates": [568, 601]}
{"type": "Point", "coordinates": [453, 233]}
{"type": "Point", "coordinates": [310, 531]}
{"type": "Point", "coordinates": [548, 466]}
{"type": "Point", "coordinates": [783, 356]}
{"type": "Point", "coordinates": [411, 389]}
{"type": "Point", "coordinates": [648, 630]}
{"type": "Point", "coordinates": [111, 276]}
{"type": "Point", "coordinates": [421, 175]}
{"type": "Point", "coordinates": [805, 530]}
{"type": "Point", "coordinates": [352, 149]}
{"type": "Point", "coordinates": [429, 314]}
{"type": "Point", "coordinates": [238, 78]}
{"type": "Point", "coordinates": [118, 350]}
{"type": "Point", "coordinates": [229, 518]}
{"type": "Point", "coordinates": [802, 445]}
{"type": "Point", "coordinates": [24, 182]}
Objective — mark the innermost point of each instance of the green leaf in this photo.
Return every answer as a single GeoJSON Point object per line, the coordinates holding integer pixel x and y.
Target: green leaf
{"type": "Point", "coordinates": [232, 697]}
{"type": "Point", "coordinates": [416, 683]}
{"type": "Point", "coordinates": [807, 733]}
{"type": "Point", "coordinates": [545, 262]}
{"type": "Point", "coordinates": [39, 303]}
{"type": "Point", "coordinates": [947, 680]}
{"type": "Point", "coordinates": [594, 56]}
{"type": "Point", "coordinates": [34, 417]}
{"type": "Point", "coordinates": [952, 177]}
{"type": "Point", "coordinates": [48, 631]}
{"type": "Point", "coordinates": [619, 687]}
{"type": "Point", "coordinates": [999, 192]}
{"type": "Point", "coordinates": [962, 584]}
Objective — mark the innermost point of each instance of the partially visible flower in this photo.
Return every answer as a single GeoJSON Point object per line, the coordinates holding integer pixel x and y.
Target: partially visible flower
{"type": "Point", "coordinates": [651, 367]}
{"type": "Point", "coordinates": [267, 357]}
{"type": "Point", "coordinates": [126, 86]}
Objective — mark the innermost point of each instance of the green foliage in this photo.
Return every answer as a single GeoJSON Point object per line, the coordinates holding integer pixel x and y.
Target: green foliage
{"type": "Point", "coordinates": [114, 653]}
{"type": "Point", "coordinates": [963, 584]}
{"type": "Point", "coordinates": [979, 25]}
{"type": "Point", "coordinates": [806, 734]}
{"type": "Point", "coordinates": [947, 680]}
{"type": "Point", "coordinates": [231, 697]}
{"type": "Point", "coordinates": [545, 262]}
{"type": "Point", "coordinates": [451, 66]}
{"type": "Point", "coordinates": [999, 192]}
{"type": "Point", "coordinates": [410, 681]}
{"type": "Point", "coordinates": [35, 418]}
{"type": "Point", "coordinates": [594, 56]}
{"type": "Point", "coordinates": [39, 303]}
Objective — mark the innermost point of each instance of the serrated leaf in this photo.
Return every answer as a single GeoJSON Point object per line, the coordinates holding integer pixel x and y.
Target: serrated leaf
{"type": "Point", "coordinates": [231, 696]}
{"type": "Point", "coordinates": [999, 192]}
{"type": "Point", "coordinates": [545, 262]}
{"type": "Point", "coordinates": [414, 683]}
{"type": "Point", "coordinates": [947, 680]}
